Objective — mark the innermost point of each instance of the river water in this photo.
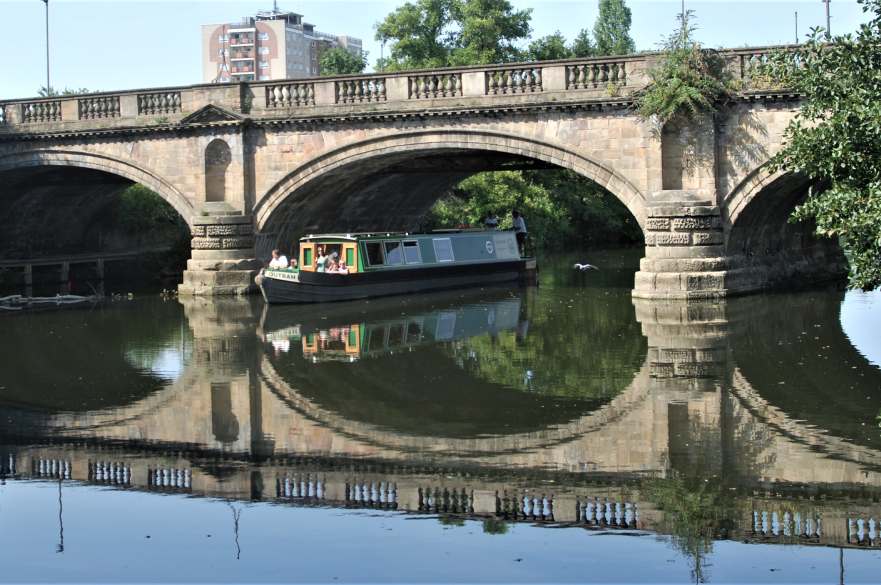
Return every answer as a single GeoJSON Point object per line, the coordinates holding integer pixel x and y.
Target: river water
{"type": "Point", "coordinates": [563, 432]}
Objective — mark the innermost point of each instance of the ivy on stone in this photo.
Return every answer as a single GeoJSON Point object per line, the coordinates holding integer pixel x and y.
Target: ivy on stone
{"type": "Point", "coordinates": [688, 81]}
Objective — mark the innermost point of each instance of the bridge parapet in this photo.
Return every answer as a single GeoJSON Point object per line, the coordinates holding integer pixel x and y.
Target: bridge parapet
{"type": "Point", "coordinates": [600, 79]}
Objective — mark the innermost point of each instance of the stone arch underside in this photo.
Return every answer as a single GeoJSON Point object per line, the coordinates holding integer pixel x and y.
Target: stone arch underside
{"type": "Point", "coordinates": [105, 164]}
{"type": "Point", "coordinates": [391, 181]}
{"type": "Point", "coordinates": [760, 238]}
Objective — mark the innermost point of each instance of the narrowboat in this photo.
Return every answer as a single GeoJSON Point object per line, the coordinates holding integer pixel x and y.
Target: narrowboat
{"type": "Point", "coordinates": [384, 264]}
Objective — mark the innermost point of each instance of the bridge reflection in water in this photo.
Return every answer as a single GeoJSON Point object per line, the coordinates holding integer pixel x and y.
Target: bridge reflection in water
{"type": "Point", "coordinates": [454, 405]}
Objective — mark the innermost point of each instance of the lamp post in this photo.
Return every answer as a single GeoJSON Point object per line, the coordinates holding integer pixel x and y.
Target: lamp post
{"type": "Point", "coordinates": [48, 85]}
{"type": "Point", "coordinates": [828, 21]}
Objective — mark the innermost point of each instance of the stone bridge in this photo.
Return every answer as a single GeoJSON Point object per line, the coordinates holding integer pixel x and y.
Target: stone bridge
{"type": "Point", "coordinates": [253, 165]}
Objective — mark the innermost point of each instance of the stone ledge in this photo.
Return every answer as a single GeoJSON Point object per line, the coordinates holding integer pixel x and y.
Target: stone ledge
{"type": "Point", "coordinates": [681, 210]}
{"type": "Point", "coordinates": [206, 220]}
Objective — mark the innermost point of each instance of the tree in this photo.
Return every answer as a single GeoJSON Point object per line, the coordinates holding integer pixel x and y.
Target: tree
{"type": "Point", "coordinates": [612, 29]}
{"type": "Point", "coordinates": [583, 45]}
{"type": "Point", "coordinates": [549, 48]}
{"type": "Point", "coordinates": [488, 31]}
{"type": "Point", "coordinates": [339, 61]}
{"type": "Point", "coordinates": [52, 92]}
{"type": "Point", "coordinates": [419, 34]}
{"type": "Point", "coordinates": [440, 33]}
{"type": "Point", "coordinates": [836, 138]}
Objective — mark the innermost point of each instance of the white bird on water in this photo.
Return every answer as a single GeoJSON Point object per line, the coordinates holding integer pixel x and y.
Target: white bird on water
{"type": "Point", "coordinates": [584, 267]}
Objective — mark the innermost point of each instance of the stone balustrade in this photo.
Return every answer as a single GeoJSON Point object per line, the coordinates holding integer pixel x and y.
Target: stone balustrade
{"type": "Point", "coordinates": [94, 108]}
{"type": "Point", "coordinates": [445, 500]}
{"type": "Point", "coordinates": [366, 89]}
{"type": "Point", "coordinates": [150, 104]}
{"type": "Point", "coordinates": [170, 479]}
{"type": "Point", "coordinates": [862, 531]}
{"type": "Point", "coordinates": [300, 486]}
{"type": "Point", "coordinates": [51, 468]}
{"type": "Point", "coordinates": [42, 111]}
{"type": "Point", "coordinates": [110, 473]}
{"type": "Point", "coordinates": [435, 85]}
{"type": "Point", "coordinates": [593, 75]}
{"type": "Point", "coordinates": [514, 80]}
{"type": "Point", "coordinates": [574, 79]}
{"type": "Point", "coordinates": [371, 494]}
{"type": "Point", "coordinates": [607, 513]}
{"type": "Point", "coordinates": [786, 524]}
{"type": "Point", "coordinates": [290, 95]}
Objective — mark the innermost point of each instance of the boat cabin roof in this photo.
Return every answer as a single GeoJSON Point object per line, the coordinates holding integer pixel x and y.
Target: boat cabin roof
{"type": "Point", "coordinates": [382, 235]}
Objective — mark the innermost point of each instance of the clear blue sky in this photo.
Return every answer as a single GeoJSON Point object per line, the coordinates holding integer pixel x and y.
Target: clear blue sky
{"type": "Point", "coordinates": [126, 44]}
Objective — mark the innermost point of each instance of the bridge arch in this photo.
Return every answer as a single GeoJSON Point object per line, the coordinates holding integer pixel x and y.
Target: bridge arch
{"type": "Point", "coordinates": [759, 235]}
{"type": "Point", "coordinates": [106, 164]}
{"type": "Point", "coordinates": [273, 209]}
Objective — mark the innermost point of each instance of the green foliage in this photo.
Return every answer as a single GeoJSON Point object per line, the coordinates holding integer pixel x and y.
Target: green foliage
{"type": "Point", "coordinates": [52, 92]}
{"type": "Point", "coordinates": [612, 29]}
{"type": "Point", "coordinates": [836, 138]}
{"type": "Point", "coordinates": [489, 31]}
{"type": "Point", "coordinates": [141, 210]}
{"type": "Point", "coordinates": [440, 33]}
{"type": "Point", "coordinates": [549, 48]}
{"type": "Point", "coordinates": [688, 81]}
{"type": "Point", "coordinates": [560, 207]}
{"type": "Point", "coordinates": [494, 525]}
{"type": "Point", "coordinates": [339, 61]}
{"type": "Point", "coordinates": [583, 45]}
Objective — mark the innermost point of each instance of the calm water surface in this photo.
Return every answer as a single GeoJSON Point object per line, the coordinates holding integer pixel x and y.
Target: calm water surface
{"type": "Point", "coordinates": [558, 433]}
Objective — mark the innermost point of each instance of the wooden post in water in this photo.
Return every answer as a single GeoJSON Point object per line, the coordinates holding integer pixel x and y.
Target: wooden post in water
{"type": "Point", "coordinates": [99, 268]}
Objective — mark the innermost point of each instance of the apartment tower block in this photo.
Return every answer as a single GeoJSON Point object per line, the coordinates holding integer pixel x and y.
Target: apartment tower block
{"type": "Point", "coordinates": [270, 45]}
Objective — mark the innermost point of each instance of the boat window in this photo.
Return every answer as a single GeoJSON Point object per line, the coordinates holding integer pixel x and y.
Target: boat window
{"type": "Point", "coordinates": [414, 332]}
{"type": "Point", "coordinates": [376, 338]}
{"type": "Point", "coordinates": [307, 257]}
{"type": "Point", "coordinates": [396, 335]}
{"type": "Point", "coordinates": [393, 253]}
{"type": "Point", "coordinates": [411, 252]}
{"type": "Point", "coordinates": [374, 253]}
{"type": "Point", "coordinates": [443, 249]}
{"type": "Point", "coordinates": [350, 258]}
{"type": "Point", "coordinates": [353, 337]}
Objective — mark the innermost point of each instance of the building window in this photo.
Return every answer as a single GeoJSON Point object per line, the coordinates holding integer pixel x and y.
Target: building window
{"type": "Point", "coordinates": [222, 39]}
{"type": "Point", "coordinates": [264, 77]}
{"type": "Point", "coordinates": [264, 65]}
{"type": "Point", "coordinates": [263, 36]}
{"type": "Point", "coordinates": [264, 50]}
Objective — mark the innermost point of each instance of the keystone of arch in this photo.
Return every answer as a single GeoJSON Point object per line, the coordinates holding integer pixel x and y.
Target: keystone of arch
{"type": "Point", "coordinates": [365, 150]}
{"type": "Point", "coordinates": [106, 164]}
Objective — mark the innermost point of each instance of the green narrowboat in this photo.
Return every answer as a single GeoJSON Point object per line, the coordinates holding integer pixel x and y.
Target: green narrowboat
{"type": "Point", "coordinates": [344, 267]}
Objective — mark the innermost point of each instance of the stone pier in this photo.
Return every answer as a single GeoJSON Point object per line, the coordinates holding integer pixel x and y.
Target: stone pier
{"type": "Point", "coordinates": [223, 259]}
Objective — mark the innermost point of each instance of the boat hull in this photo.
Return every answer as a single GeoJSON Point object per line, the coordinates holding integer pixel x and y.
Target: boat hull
{"type": "Point", "coordinates": [317, 287]}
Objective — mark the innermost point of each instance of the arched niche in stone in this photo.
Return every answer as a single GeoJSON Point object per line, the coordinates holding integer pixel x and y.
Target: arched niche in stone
{"type": "Point", "coordinates": [217, 160]}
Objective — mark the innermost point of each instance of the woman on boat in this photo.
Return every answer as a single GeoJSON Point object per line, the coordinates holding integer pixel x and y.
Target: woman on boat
{"type": "Point", "coordinates": [320, 260]}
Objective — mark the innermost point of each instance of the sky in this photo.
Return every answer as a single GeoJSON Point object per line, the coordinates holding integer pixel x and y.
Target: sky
{"type": "Point", "coordinates": [106, 45]}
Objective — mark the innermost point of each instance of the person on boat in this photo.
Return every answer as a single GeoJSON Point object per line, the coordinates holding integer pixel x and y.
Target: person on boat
{"type": "Point", "coordinates": [294, 264]}
{"type": "Point", "coordinates": [279, 260]}
{"type": "Point", "coordinates": [342, 268]}
{"type": "Point", "coordinates": [331, 265]}
{"type": "Point", "coordinates": [519, 230]}
{"type": "Point", "coordinates": [320, 259]}
{"type": "Point", "coordinates": [491, 222]}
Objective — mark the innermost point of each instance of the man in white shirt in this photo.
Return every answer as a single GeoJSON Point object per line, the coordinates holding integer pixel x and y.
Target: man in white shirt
{"type": "Point", "coordinates": [279, 260]}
